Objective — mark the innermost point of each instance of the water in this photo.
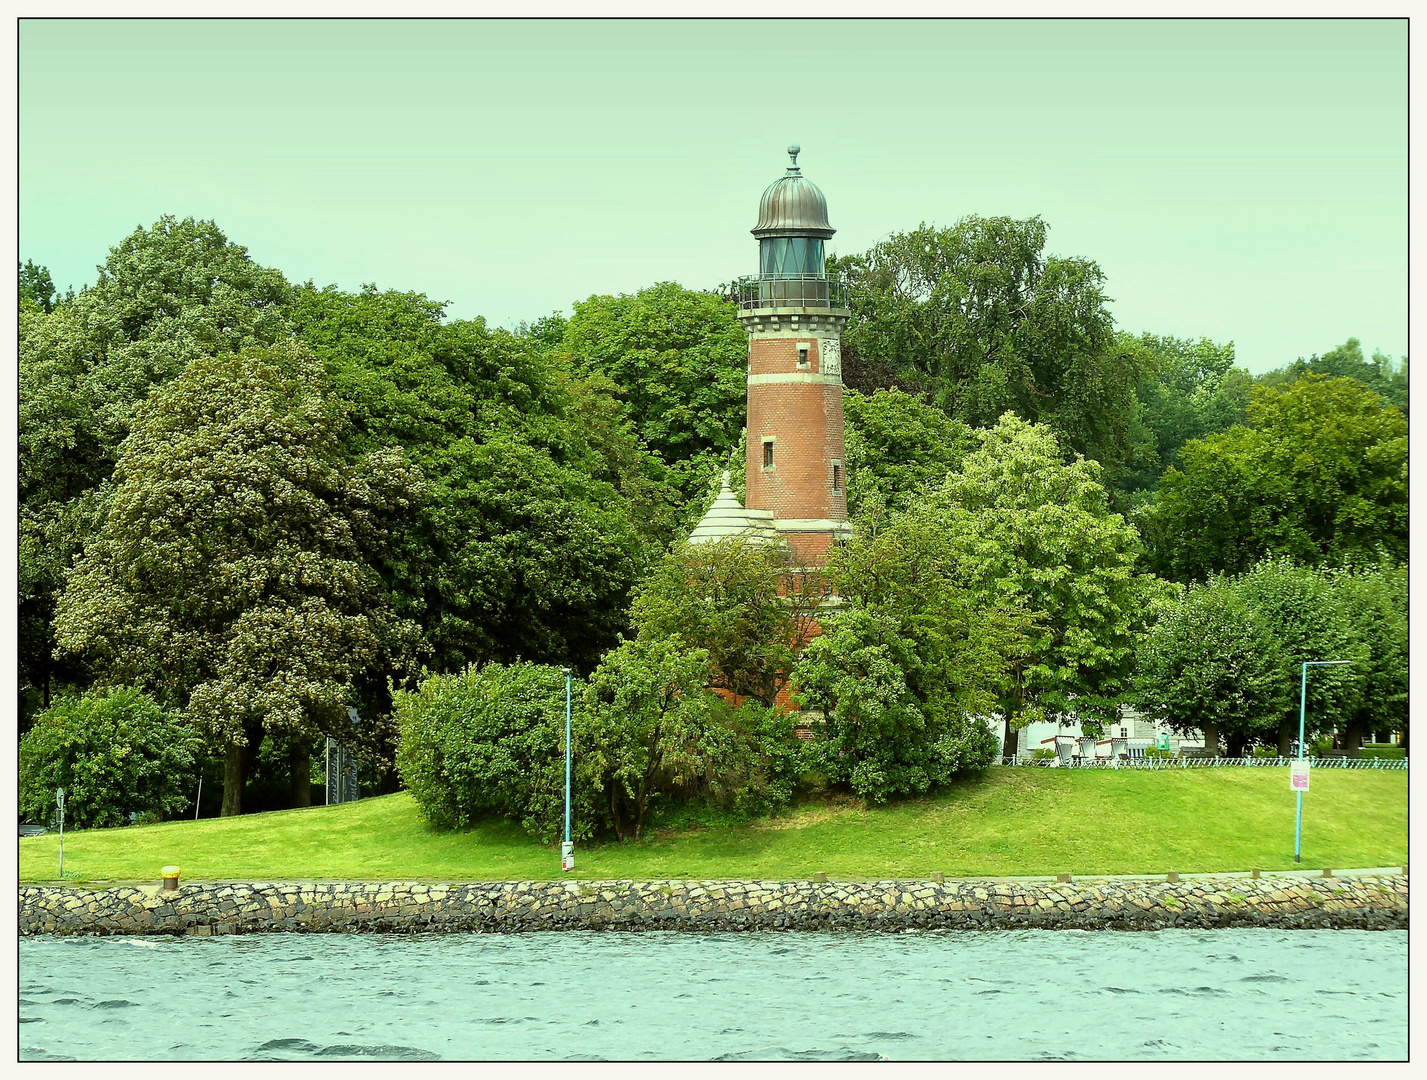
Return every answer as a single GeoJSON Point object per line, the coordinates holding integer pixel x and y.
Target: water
{"type": "Point", "coordinates": [1015, 994]}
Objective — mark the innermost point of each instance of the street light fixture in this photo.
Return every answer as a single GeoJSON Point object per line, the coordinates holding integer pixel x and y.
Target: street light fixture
{"type": "Point", "coordinates": [1302, 716]}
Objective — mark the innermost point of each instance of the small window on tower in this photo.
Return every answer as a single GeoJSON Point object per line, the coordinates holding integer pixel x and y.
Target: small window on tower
{"type": "Point", "coordinates": [802, 358]}
{"type": "Point", "coordinates": [767, 453]}
{"type": "Point", "coordinates": [836, 477]}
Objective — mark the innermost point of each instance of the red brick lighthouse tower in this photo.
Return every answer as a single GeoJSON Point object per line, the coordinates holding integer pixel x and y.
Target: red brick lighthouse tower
{"type": "Point", "coordinates": [794, 314]}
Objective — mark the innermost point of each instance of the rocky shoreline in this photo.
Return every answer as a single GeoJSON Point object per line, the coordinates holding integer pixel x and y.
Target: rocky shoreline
{"type": "Point", "coordinates": [208, 908]}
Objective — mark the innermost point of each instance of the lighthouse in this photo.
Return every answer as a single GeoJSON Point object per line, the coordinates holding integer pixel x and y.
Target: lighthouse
{"type": "Point", "coordinates": [794, 314]}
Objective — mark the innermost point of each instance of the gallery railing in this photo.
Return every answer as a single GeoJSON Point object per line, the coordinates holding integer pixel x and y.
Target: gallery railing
{"type": "Point", "coordinates": [757, 292]}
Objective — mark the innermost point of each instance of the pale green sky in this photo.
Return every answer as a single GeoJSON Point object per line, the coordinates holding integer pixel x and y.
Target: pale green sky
{"type": "Point", "coordinates": [1241, 180]}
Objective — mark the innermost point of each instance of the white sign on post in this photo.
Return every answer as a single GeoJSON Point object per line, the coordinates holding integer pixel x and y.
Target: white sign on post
{"type": "Point", "coordinates": [567, 857]}
{"type": "Point", "coordinates": [1298, 775]}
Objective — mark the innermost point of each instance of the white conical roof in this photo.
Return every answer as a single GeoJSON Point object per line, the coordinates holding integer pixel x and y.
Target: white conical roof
{"type": "Point", "coordinates": [726, 517]}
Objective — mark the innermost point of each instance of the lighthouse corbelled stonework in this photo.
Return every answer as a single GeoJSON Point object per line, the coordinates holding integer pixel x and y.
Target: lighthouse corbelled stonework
{"type": "Point", "coordinates": [794, 314]}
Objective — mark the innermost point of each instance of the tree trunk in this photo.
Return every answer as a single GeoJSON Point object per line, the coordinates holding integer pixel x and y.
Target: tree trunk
{"type": "Point", "coordinates": [234, 768]}
{"type": "Point", "coordinates": [1211, 739]}
{"type": "Point", "coordinates": [1285, 736]}
{"type": "Point", "coordinates": [1011, 743]}
{"type": "Point", "coordinates": [47, 689]}
{"type": "Point", "coordinates": [299, 759]}
{"type": "Point", "coordinates": [1353, 738]}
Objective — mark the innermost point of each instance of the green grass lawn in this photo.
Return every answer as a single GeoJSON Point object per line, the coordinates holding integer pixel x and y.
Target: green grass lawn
{"type": "Point", "coordinates": [1011, 822]}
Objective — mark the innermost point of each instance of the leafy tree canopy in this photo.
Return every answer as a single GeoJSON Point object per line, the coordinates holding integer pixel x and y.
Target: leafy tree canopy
{"type": "Point", "coordinates": [36, 287]}
{"type": "Point", "coordinates": [1035, 534]}
{"type": "Point", "coordinates": [527, 545]}
{"type": "Point", "coordinates": [1210, 663]}
{"type": "Point", "coordinates": [1374, 601]}
{"type": "Point", "coordinates": [678, 359]}
{"type": "Point", "coordinates": [978, 319]}
{"type": "Point", "coordinates": [232, 573]}
{"type": "Point", "coordinates": [651, 728]}
{"type": "Point", "coordinates": [1187, 389]}
{"type": "Point", "coordinates": [1318, 474]}
{"type": "Point", "coordinates": [1380, 374]}
{"type": "Point", "coordinates": [1298, 606]}
{"type": "Point", "coordinates": [164, 296]}
{"type": "Point", "coordinates": [741, 602]}
{"type": "Point", "coordinates": [114, 753]}
{"type": "Point", "coordinates": [898, 447]}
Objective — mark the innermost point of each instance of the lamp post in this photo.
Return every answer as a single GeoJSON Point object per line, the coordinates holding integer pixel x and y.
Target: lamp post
{"type": "Point", "coordinates": [567, 849]}
{"type": "Point", "coordinates": [59, 802]}
{"type": "Point", "coordinates": [1302, 716]}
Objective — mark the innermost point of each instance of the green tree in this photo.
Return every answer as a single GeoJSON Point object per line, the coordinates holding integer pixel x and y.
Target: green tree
{"type": "Point", "coordinates": [1319, 474]}
{"type": "Point", "coordinates": [741, 602]}
{"type": "Point", "coordinates": [114, 754]}
{"type": "Point", "coordinates": [679, 359]}
{"type": "Point", "coordinates": [981, 321]}
{"type": "Point", "coordinates": [1374, 601]}
{"type": "Point", "coordinates": [529, 540]}
{"type": "Point", "coordinates": [491, 741]}
{"type": "Point", "coordinates": [36, 287]}
{"type": "Point", "coordinates": [164, 296]}
{"type": "Point", "coordinates": [897, 448]}
{"type": "Point", "coordinates": [232, 572]}
{"type": "Point", "coordinates": [1187, 389]}
{"type": "Point", "coordinates": [1380, 374]}
{"type": "Point", "coordinates": [1035, 534]}
{"type": "Point", "coordinates": [1210, 664]}
{"type": "Point", "coordinates": [652, 717]}
{"type": "Point", "coordinates": [1300, 609]}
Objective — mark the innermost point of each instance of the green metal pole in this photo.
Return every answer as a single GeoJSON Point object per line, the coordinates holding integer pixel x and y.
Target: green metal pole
{"type": "Point", "coordinates": [567, 755]}
{"type": "Point", "coordinates": [1302, 715]}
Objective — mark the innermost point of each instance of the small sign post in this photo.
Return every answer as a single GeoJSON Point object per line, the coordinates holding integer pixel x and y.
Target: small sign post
{"type": "Point", "coordinates": [1298, 771]}
{"type": "Point", "coordinates": [59, 802]}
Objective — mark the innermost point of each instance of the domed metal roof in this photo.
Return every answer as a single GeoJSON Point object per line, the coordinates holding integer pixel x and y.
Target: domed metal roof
{"type": "Point", "coordinates": [793, 206]}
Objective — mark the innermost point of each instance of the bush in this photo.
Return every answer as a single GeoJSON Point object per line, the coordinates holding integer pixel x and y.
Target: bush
{"type": "Point", "coordinates": [1384, 753]}
{"type": "Point", "coordinates": [758, 759]}
{"type": "Point", "coordinates": [115, 754]}
{"type": "Point", "coordinates": [491, 741]}
{"type": "Point", "coordinates": [886, 731]}
{"type": "Point", "coordinates": [661, 736]}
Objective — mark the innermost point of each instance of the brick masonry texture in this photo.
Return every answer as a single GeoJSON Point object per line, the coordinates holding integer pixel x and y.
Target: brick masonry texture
{"type": "Point", "coordinates": [805, 420]}
{"type": "Point", "coordinates": [207, 908]}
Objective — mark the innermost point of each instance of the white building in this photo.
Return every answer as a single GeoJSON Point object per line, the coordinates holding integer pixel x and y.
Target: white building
{"type": "Point", "coordinates": [1137, 731]}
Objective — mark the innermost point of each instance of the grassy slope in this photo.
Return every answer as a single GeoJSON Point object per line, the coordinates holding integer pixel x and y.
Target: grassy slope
{"type": "Point", "coordinates": [1013, 822]}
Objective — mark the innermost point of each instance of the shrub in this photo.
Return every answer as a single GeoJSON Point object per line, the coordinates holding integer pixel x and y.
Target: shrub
{"type": "Point", "coordinates": [1386, 753]}
{"type": "Point", "coordinates": [114, 753]}
{"type": "Point", "coordinates": [757, 760]}
{"type": "Point", "coordinates": [888, 731]}
{"type": "Point", "coordinates": [660, 735]}
{"type": "Point", "coordinates": [491, 741]}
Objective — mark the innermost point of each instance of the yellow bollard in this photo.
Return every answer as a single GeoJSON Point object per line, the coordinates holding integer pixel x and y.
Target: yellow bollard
{"type": "Point", "coordinates": [170, 876]}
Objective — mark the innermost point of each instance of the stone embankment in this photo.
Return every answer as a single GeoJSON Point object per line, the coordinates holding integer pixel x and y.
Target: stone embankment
{"type": "Point", "coordinates": [1365, 902]}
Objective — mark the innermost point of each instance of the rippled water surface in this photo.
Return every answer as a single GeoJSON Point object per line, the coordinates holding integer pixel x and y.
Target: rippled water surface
{"type": "Point", "coordinates": [1016, 994]}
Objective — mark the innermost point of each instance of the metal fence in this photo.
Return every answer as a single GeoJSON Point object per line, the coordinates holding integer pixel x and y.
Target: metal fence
{"type": "Point", "coordinates": [1205, 763]}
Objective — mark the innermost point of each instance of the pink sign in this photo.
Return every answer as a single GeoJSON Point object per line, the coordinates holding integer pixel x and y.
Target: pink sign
{"type": "Point", "coordinates": [1298, 776]}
